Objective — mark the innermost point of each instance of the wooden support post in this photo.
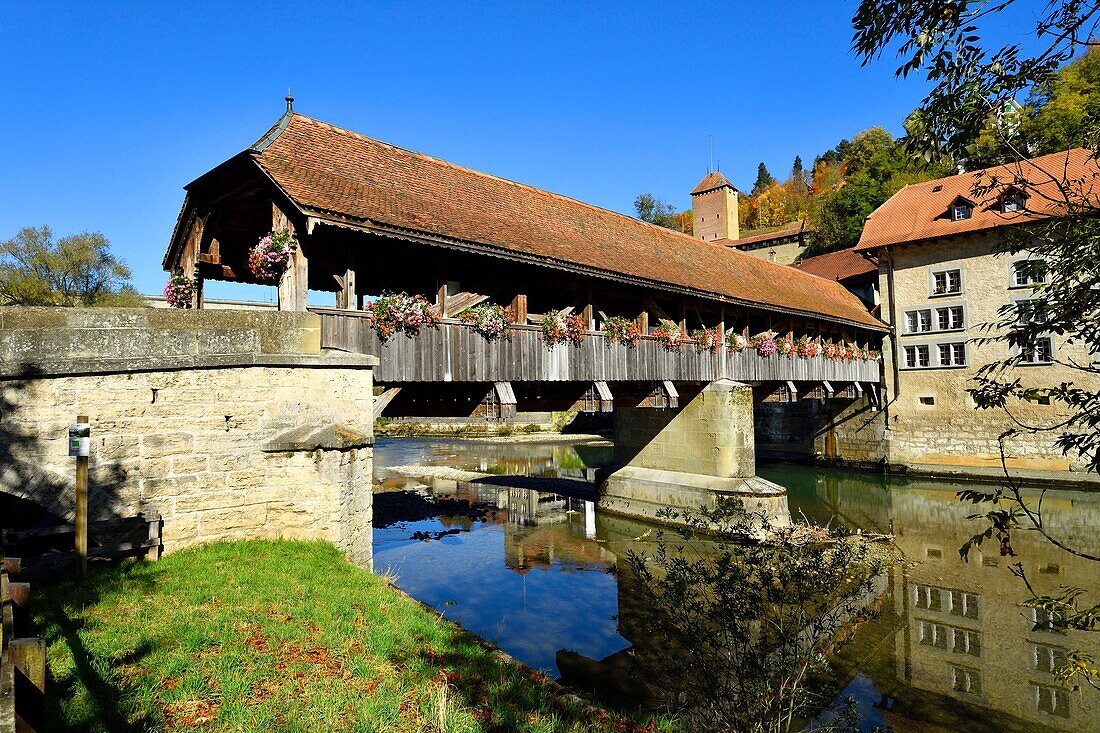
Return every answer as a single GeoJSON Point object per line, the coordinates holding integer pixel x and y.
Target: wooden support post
{"type": "Point", "coordinates": [643, 322]}
{"type": "Point", "coordinates": [81, 511]}
{"type": "Point", "coordinates": [200, 291]}
{"type": "Point", "coordinates": [20, 594]}
{"type": "Point", "coordinates": [28, 656]}
{"type": "Point", "coordinates": [294, 284]}
{"type": "Point", "coordinates": [155, 539]}
{"type": "Point", "coordinates": [586, 314]}
{"type": "Point", "coordinates": [519, 308]}
{"type": "Point", "coordinates": [441, 299]}
{"type": "Point", "coordinates": [345, 296]}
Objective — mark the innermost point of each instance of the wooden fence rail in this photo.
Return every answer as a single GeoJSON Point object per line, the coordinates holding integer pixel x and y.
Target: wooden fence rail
{"type": "Point", "coordinates": [22, 662]}
{"type": "Point", "coordinates": [30, 552]}
{"type": "Point", "coordinates": [454, 352]}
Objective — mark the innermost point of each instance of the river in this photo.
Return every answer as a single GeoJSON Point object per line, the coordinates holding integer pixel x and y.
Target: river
{"type": "Point", "coordinates": [951, 648]}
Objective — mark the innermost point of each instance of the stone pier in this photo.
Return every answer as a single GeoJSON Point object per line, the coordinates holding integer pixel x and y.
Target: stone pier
{"type": "Point", "coordinates": [690, 457]}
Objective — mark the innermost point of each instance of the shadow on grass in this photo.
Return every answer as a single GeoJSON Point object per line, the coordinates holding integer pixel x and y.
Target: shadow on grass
{"type": "Point", "coordinates": [507, 696]}
{"type": "Point", "coordinates": [59, 612]}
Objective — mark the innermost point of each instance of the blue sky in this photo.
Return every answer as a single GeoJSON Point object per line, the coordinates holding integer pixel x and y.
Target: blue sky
{"type": "Point", "coordinates": [112, 107]}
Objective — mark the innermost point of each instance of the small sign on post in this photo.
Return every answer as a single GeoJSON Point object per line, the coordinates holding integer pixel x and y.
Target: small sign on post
{"type": "Point", "coordinates": [80, 443]}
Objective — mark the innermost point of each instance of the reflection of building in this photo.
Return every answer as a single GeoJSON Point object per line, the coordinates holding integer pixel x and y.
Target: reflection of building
{"type": "Point", "coordinates": [967, 637]}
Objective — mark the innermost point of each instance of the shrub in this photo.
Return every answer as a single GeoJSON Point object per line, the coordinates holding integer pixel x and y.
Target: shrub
{"type": "Point", "coordinates": [400, 312]}
{"type": "Point", "coordinates": [491, 321]}
{"type": "Point", "coordinates": [622, 331]}
{"type": "Point", "coordinates": [270, 256]}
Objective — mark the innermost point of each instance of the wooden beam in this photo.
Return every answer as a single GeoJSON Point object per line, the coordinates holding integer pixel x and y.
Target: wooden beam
{"type": "Point", "coordinates": [294, 284]}
{"type": "Point", "coordinates": [519, 308]}
{"type": "Point", "coordinates": [345, 296]}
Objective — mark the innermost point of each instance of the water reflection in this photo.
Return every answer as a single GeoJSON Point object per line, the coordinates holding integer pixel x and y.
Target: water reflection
{"type": "Point", "coordinates": [951, 648]}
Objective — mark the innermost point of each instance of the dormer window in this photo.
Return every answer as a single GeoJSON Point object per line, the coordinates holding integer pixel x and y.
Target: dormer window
{"type": "Point", "coordinates": [1012, 201]}
{"type": "Point", "coordinates": [961, 211]}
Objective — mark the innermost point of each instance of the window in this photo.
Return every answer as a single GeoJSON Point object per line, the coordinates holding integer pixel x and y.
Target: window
{"type": "Point", "coordinates": [1048, 658]}
{"type": "Point", "coordinates": [960, 212]}
{"type": "Point", "coordinates": [1012, 201]}
{"type": "Point", "coordinates": [1028, 272]}
{"type": "Point", "coordinates": [966, 642]}
{"type": "Point", "coordinates": [926, 597]}
{"type": "Point", "coordinates": [950, 319]}
{"type": "Point", "coordinates": [952, 354]}
{"type": "Point", "coordinates": [1031, 311]}
{"type": "Point", "coordinates": [966, 680]}
{"type": "Point", "coordinates": [963, 604]}
{"type": "Point", "coordinates": [1041, 352]}
{"type": "Point", "coordinates": [918, 321]}
{"type": "Point", "coordinates": [916, 357]}
{"type": "Point", "coordinates": [1043, 620]}
{"type": "Point", "coordinates": [1052, 700]}
{"type": "Point", "coordinates": [933, 635]}
{"type": "Point", "coordinates": [927, 400]}
{"type": "Point", "coordinates": [946, 281]}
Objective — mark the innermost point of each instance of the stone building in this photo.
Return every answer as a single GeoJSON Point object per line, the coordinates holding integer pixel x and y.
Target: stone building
{"type": "Point", "coordinates": [942, 277]}
{"type": "Point", "coordinates": [715, 219]}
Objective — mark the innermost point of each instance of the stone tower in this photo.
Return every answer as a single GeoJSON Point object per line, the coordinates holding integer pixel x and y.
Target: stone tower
{"type": "Point", "coordinates": [714, 208]}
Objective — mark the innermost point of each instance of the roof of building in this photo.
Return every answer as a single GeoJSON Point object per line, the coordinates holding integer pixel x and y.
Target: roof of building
{"type": "Point", "coordinates": [792, 229]}
{"type": "Point", "coordinates": [920, 211]}
{"type": "Point", "coordinates": [712, 181]}
{"type": "Point", "coordinates": [333, 173]}
{"type": "Point", "coordinates": [842, 265]}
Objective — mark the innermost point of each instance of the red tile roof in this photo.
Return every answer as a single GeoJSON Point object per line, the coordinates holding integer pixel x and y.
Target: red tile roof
{"type": "Point", "coordinates": [839, 266]}
{"type": "Point", "coordinates": [710, 182]}
{"type": "Point", "coordinates": [919, 211]}
{"type": "Point", "coordinates": [798, 228]}
{"type": "Point", "coordinates": [327, 170]}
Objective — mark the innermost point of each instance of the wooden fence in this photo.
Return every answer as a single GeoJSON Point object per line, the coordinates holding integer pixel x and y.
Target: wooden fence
{"type": "Point", "coordinates": [22, 662]}
{"type": "Point", "coordinates": [31, 552]}
{"type": "Point", "coordinates": [454, 352]}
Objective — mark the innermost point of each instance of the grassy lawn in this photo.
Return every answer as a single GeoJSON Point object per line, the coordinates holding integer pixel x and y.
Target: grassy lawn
{"type": "Point", "coordinates": [265, 636]}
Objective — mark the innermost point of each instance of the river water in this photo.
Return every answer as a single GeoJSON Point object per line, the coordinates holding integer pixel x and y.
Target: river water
{"type": "Point", "coordinates": [951, 648]}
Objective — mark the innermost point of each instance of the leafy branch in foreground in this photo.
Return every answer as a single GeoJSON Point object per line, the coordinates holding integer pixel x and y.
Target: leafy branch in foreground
{"type": "Point", "coordinates": [745, 625]}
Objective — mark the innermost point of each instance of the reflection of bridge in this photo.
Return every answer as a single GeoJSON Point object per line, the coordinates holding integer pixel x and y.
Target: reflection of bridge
{"type": "Point", "coordinates": [369, 217]}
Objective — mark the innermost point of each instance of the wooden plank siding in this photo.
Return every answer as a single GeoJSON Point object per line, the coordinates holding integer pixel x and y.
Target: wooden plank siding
{"type": "Point", "coordinates": [454, 352]}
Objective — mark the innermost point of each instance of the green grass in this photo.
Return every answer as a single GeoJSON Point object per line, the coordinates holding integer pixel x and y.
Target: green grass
{"type": "Point", "coordinates": [276, 636]}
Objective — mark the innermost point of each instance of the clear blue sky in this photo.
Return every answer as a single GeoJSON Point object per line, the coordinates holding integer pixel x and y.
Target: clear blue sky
{"type": "Point", "coordinates": [112, 107]}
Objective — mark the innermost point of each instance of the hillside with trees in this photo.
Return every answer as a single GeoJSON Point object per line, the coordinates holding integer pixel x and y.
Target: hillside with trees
{"type": "Point", "coordinates": [854, 178]}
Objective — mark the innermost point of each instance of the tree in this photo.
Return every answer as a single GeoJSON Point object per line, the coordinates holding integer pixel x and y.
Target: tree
{"type": "Point", "coordinates": [764, 180]}
{"type": "Point", "coordinates": [743, 625]}
{"type": "Point", "coordinates": [78, 270]}
{"type": "Point", "coordinates": [652, 209]}
{"type": "Point", "coordinates": [797, 172]}
{"type": "Point", "coordinates": [944, 41]}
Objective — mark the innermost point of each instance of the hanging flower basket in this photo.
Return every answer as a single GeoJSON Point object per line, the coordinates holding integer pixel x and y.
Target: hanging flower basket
{"type": "Point", "coordinates": [785, 346]}
{"type": "Point", "coordinates": [669, 336]}
{"type": "Point", "coordinates": [491, 321]}
{"type": "Point", "coordinates": [179, 292]}
{"type": "Point", "coordinates": [559, 328]}
{"type": "Point", "coordinates": [269, 257]}
{"type": "Point", "coordinates": [737, 343]}
{"type": "Point", "coordinates": [830, 350]}
{"type": "Point", "coordinates": [807, 348]}
{"type": "Point", "coordinates": [873, 355]}
{"type": "Point", "coordinates": [393, 313]}
{"type": "Point", "coordinates": [706, 339]}
{"type": "Point", "coordinates": [622, 331]}
{"type": "Point", "coordinates": [764, 343]}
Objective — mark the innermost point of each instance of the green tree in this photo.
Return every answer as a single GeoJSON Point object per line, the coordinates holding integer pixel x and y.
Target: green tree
{"type": "Point", "coordinates": [652, 209]}
{"type": "Point", "coordinates": [797, 172]}
{"type": "Point", "coordinates": [764, 180]}
{"type": "Point", "coordinates": [969, 80]}
{"type": "Point", "coordinates": [78, 270]}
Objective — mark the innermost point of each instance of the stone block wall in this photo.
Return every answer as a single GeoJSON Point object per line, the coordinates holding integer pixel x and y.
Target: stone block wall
{"type": "Point", "coordinates": [187, 429]}
{"type": "Point", "coordinates": [842, 430]}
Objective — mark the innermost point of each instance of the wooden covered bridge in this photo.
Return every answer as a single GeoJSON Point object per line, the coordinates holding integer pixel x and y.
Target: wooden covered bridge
{"type": "Point", "coordinates": [372, 217]}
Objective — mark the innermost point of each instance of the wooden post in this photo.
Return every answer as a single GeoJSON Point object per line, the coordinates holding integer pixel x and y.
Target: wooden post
{"type": "Point", "coordinates": [345, 296]}
{"type": "Point", "coordinates": [519, 308]}
{"type": "Point", "coordinates": [200, 295]}
{"type": "Point", "coordinates": [20, 594]}
{"type": "Point", "coordinates": [643, 322]}
{"type": "Point", "coordinates": [81, 509]}
{"type": "Point", "coordinates": [586, 314]}
{"type": "Point", "coordinates": [294, 284]}
{"type": "Point", "coordinates": [441, 299]}
{"type": "Point", "coordinates": [28, 656]}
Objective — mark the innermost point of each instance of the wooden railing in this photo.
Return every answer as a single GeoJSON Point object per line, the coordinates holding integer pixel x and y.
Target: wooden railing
{"type": "Point", "coordinates": [454, 352]}
{"type": "Point", "coordinates": [22, 662]}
